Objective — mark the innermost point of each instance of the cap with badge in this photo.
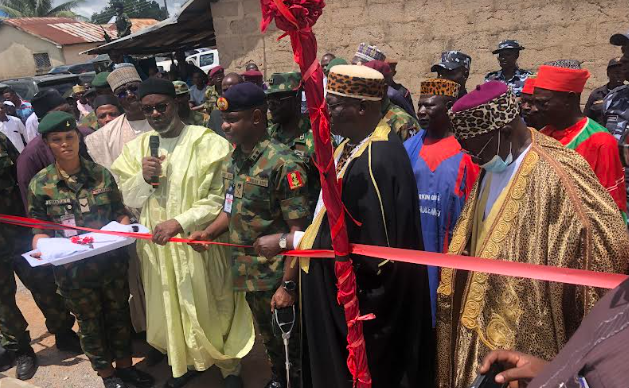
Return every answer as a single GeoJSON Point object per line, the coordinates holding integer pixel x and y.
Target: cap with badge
{"type": "Point", "coordinates": [367, 52]}
{"type": "Point", "coordinates": [359, 82]}
{"type": "Point", "coordinates": [241, 97]}
{"type": "Point", "coordinates": [284, 82]}
{"type": "Point", "coordinates": [452, 60]}
{"type": "Point", "coordinates": [56, 121]}
{"type": "Point", "coordinates": [620, 39]}
{"type": "Point", "coordinates": [508, 45]}
{"type": "Point", "coordinates": [181, 87]}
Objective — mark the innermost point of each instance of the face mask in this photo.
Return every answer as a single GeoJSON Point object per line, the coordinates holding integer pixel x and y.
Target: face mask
{"type": "Point", "coordinates": [496, 164]}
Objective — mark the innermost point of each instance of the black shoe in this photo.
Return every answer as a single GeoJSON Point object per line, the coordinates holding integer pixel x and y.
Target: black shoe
{"type": "Point", "coordinates": [232, 381]}
{"type": "Point", "coordinates": [136, 377]}
{"type": "Point", "coordinates": [68, 342]}
{"type": "Point", "coordinates": [7, 359]}
{"type": "Point", "coordinates": [26, 364]}
{"type": "Point", "coordinates": [275, 382]}
{"type": "Point", "coordinates": [154, 357]}
{"type": "Point", "coordinates": [114, 382]}
{"type": "Point", "coordinates": [181, 381]}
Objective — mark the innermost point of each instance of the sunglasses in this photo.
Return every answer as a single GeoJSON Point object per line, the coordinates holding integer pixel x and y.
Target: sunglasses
{"type": "Point", "coordinates": [278, 100]}
{"type": "Point", "coordinates": [133, 89]}
{"type": "Point", "coordinates": [160, 108]}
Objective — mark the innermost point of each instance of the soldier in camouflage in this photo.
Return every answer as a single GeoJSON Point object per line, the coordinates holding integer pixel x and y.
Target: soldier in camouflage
{"type": "Point", "coordinates": [400, 122]}
{"type": "Point", "coordinates": [187, 115]}
{"type": "Point", "coordinates": [213, 93]}
{"type": "Point", "coordinates": [75, 191]}
{"type": "Point", "coordinates": [15, 337]}
{"type": "Point", "coordinates": [291, 128]}
{"type": "Point", "coordinates": [266, 200]}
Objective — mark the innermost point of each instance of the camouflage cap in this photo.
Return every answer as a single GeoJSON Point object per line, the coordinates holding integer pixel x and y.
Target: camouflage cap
{"type": "Point", "coordinates": [181, 87]}
{"type": "Point", "coordinates": [284, 82]}
{"type": "Point", "coordinates": [100, 81]}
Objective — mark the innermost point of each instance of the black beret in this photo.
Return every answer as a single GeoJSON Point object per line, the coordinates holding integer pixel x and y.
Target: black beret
{"type": "Point", "coordinates": [56, 121]}
{"type": "Point", "coordinates": [46, 100]}
{"type": "Point", "coordinates": [157, 86]}
{"type": "Point", "coordinates": [241, 97]}
{"type": "Point", "coordinates": [106, 99]}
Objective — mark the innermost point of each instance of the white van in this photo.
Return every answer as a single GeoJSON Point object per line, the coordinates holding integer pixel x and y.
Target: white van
{"type": "Point", "coordinates": [206, 60]}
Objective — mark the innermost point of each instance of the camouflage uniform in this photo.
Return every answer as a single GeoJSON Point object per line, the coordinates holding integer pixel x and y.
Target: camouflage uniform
{"type": "Point", "coordinates": [90, 120]}
{"type": "Point", "coordinates": [38, 280]}
{"type": "Point", "coordinates": [96, 290]}
{"type": "Point", "coordinates": [268, 188]}
{"type": "Point", "coordinates": [302, 143]}
{"type": "Point", "coordinates": [403, 124]}
{"type": "Point", "coordinates": [195, 118]}
{"type": "Point", "coordinates": [211, 97]}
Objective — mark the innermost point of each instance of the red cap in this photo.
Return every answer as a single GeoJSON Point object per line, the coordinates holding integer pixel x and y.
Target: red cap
{"type": "Point", "coordinates": [380, 66]}
{"type": "Point", "coordinates": [529, 86]}
{"type": "Point", "coordinates": [215, 70]}
{"type": "Point", "coordinates": [559, 79]}
{"type": "Point", "coordinates": [252, 74]}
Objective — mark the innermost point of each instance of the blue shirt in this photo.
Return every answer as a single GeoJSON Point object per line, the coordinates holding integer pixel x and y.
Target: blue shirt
{"type": "Point", "coordinates": [516, 82]}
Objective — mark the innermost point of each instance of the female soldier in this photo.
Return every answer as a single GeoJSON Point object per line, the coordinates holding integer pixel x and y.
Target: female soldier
{"type": "Point", "coordinates": [74, 191]}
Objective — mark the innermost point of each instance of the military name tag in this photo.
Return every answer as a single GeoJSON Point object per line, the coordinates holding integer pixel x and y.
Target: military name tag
{"type": "Point", "coordinates": [240, 188]}
{"type": "Point", "coordinates": [258, 181]}
{"type": "Point", "coordinates": [84, 205]}
{"type": "Point", "coordinates": [229, 200]}
{"type": "Point", "coordinates": [103, 190]}
{"type": "Point", "coordinates": [68, 220]}
{"type": "Point", "coordinates": [53, 202]}
{"type": "Point", "coordinates": [228, 175]}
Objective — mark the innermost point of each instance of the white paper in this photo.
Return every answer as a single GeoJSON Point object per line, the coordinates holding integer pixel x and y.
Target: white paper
{"type": "Point", "coordinates": [103, 243]}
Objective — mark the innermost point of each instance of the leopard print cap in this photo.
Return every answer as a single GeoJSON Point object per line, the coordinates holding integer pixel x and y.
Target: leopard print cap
{"type": "Point", "coordinates": [359, 82]}
{"type": "Point", "coordinates": [439, 87]}
{"type": "Point", "coordinates": [486, 117]}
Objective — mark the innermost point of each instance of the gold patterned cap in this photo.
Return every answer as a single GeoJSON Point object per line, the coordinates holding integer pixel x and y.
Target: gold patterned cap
{"type": "Point", "coordinates": [353, 81]}
{"type": "Point", "coordinates": [78, 89]}
{"type": "Point", "coordinates": [439, 87]}
{"type": "Point", "coordinates": [122, 76]}
{"type": "Point", "coordinates": [488, 108]}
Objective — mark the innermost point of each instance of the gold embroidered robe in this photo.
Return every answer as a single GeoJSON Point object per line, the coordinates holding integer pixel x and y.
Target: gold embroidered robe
{"type": "Point", "coordinates": [553, 212]}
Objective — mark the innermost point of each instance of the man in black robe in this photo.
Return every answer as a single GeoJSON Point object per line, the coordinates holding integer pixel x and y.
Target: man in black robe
{"type": "Point", "coordinates": [380, 194]}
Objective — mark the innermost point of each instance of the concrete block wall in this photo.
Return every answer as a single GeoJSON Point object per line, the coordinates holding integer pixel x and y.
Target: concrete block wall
{"type": "Point", "coordinates": [415, 32]}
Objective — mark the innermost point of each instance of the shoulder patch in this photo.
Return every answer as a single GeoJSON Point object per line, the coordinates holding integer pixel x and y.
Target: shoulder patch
{"type": "Point", "coordinates": [294, 180]}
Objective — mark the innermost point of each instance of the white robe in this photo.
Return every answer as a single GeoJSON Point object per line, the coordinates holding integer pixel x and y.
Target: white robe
{"type": "Point", "coordinates": [193, 312]}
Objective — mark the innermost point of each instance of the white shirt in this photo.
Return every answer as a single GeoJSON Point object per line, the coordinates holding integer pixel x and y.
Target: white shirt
{"type": "Point", "coordinates": [197, 96]}
{"type": "Point", "coordinates": [13, 129]}
{"type": "Point", "coordinates": [500, 180]}
{"type": "Point", "coordinates": [31, 128]}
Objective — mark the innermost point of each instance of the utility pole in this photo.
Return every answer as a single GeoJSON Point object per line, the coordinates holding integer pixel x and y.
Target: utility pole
{"type": "Point", "coordinates": [166, 9]}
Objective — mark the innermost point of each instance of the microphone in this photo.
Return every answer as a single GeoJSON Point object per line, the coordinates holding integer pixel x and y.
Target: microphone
{"type": "Point", "coordinates": [154, 146]}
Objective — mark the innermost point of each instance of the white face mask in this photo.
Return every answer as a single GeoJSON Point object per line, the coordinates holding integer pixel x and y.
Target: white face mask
{"type": "Point", "coordinates": [496, 164]}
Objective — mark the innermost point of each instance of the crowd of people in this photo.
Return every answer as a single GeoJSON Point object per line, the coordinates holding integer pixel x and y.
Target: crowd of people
{"type": "Point", "coordinates": [511, 170]}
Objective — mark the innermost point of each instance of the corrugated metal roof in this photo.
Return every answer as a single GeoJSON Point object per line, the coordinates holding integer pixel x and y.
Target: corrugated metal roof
{"type": "Point", "coordinates": [66, 31]}
{"type": "Point", "coordinates": [136, 25]}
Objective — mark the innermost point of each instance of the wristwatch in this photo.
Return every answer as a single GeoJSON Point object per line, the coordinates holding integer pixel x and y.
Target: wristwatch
{"type": "Point", "coordinates": [290, 285]}
{"type": "Point", "coordinates": [283, 240]}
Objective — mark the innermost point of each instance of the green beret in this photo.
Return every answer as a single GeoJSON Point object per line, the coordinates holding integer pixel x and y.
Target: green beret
{"type": "Point", "coordinates": [56, 121]}
{"type": "Point", "coordinates": [100, 81]}
{"type": "Point", "coordinates": [284, 82]}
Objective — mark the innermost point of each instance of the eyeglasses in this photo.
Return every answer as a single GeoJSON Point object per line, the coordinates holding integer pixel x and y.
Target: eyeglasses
{"type": "Point", "coordinates": [333, 106]}
{"type": "Point", "coordinates": [477, 156]}
{"type": "Point", "coordinates": [277, 100]}
{"type": "Point", "coordinates": [131, 89]}
{"type": "Point", "coordinates": [160, 108]}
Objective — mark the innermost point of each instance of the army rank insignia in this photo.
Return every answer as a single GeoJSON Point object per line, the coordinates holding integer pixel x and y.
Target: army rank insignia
{"type": "Point", "coordinates": [294, 180]}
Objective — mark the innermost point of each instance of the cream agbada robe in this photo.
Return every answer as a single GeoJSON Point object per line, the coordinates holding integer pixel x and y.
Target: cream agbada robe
{"type": "Point", "coordinates": [193, 313]}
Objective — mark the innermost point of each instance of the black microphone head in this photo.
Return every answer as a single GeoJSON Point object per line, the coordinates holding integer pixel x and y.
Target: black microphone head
{"type": "Point", "coordinates": [154, 142]}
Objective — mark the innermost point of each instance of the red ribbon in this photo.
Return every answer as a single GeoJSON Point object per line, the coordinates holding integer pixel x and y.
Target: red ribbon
{"type": "Point", "coordinates": [577, 277]}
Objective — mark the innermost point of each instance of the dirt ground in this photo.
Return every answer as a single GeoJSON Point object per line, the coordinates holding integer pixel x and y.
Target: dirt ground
{"type": "Point", "coordinates": [58, 370]}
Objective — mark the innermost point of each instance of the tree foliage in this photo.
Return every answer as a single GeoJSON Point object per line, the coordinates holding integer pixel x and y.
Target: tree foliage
{"type": "Point", "coordinates": [142, 9]}
{"type": "Point", "coordinates": [38, 8]}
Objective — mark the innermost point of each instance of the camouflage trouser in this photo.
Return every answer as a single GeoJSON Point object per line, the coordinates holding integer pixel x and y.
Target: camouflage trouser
{"type": "Point", "coordinates": [260, 304]}
{"type": "Point", "coordinates": [104, 321]}
{"type": "Point", "coordinates": [40, 281]}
